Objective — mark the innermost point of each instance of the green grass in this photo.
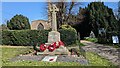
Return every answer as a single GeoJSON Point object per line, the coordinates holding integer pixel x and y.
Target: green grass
{"type": "Point", "coordinates": [40, 63]}
{"type": "Point", "coordinates": [96, 60]}
{"type": "Point", "coordinates": [95, 40]}
{"type": "Point", "coordinates": [80, 44]}
{"type": "Point", "coordinates": [8, 53]}
{"type": "Point", "coordinates": [92, 39]}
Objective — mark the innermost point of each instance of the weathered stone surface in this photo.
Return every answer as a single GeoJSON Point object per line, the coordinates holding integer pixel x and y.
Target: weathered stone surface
{"type": "Point", "coordinates": [60, 51]}
{"type": "Point", "coordinates": [54, 10]}
{"type": "Point", "coordinates": [35, 24]}
{"type": "Point", "coordinates": [53, 36]}
{"type": "Point", "coordinates": [66, 58]}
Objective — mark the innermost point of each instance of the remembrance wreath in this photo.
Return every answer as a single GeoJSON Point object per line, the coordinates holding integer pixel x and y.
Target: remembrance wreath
{"type": "Point", "coordinates": [52, 46]}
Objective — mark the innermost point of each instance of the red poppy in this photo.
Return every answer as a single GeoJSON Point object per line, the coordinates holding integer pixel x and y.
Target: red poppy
{"type": "Point", "coordinates": [50, 48]}
{"type": "Point", "coordinates": [54, 44]}
{"type": "Point", "coordinates": [57, 45]}
{"type": "Point", "coordinates": [51, 59]}
{"type": "Point", "coordinates": [61, 43]}
{"type": "Point", "coordinates": [43, 47]}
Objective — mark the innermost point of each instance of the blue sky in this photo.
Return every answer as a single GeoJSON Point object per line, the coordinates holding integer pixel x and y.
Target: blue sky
{"type": "Point", "coordinates": [33, 10]}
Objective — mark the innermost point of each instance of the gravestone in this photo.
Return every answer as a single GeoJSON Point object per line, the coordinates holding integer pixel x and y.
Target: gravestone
{"type": "Point", "coordinates": [115, 39]}
{"type": "Point", "coordinates": [54, 36]}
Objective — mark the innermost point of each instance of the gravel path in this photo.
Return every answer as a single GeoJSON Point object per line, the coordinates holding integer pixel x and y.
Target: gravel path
{"type": "Point", "coordinates": [108, 52]}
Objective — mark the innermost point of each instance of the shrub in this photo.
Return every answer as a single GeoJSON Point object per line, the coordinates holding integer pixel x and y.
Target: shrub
{"type": "Point", "coordinates": [91, 39]}
{"type": "Point", "coordinates": [68, 34]}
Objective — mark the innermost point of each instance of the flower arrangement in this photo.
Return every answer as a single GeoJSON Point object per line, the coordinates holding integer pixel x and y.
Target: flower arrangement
{"type": "Point", "coordinates": [52, 46]}
{"type": "Point", "coordinates": [43, 47]}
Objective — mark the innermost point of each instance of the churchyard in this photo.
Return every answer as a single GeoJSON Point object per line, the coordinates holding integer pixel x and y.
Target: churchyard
{"type": "Point", "coordinates": [9, 53]}
{"type": "Point", "coordinates": [57, 47]}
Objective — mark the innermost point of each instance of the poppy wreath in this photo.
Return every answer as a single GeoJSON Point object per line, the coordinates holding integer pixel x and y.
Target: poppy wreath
{"type": "Point", "coordinates": [58, 44]}
{"type": "Point", "coordinates": [43, 47]}
{"type": "Point", "coordinates": [52, 46]}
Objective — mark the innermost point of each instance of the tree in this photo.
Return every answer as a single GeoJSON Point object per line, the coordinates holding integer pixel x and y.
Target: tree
{"type": "Point", "coordinates": [104, 24]}
{"type": "Point", "coordinates": [119, 10]}
{"type": "Point", "coordinates": [18, 22]}
{"type": "Point", "coordinates": [81, 22]}
{"type": "Point", "coordinates": [119, 15]}
{"type": "Point", "coordinates": [3, 27]}
{"type": "Point", "coordinates": [65, 11]}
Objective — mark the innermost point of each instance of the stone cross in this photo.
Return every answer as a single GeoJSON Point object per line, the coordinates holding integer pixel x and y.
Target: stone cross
{"type": "Point", "coordinates": [54, 35]}
{"type": "Point", "coordinates": [54, 10]}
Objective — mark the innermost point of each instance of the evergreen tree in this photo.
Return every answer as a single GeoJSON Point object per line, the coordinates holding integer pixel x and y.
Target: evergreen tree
{"type": "Point", "coordinates": [3, 27]}
{"type": "Point", "coordinates": [119, 15]}
{"type": "Point", "coordinates": [119, 10]}
{"type": "Point", "coordinates": [18, 22]}
{"type": "Point", "coordinates": [103, 21]}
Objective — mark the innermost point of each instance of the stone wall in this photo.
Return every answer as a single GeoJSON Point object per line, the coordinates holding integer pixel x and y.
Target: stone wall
{"type": "Point", "coordinates": [35, 24]}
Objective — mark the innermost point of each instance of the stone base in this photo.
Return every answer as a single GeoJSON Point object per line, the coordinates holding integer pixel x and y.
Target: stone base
{"type": "Point", "coordinates": [47, 44]}
{"type": "Point", "coordinates": [60, 51]}
{"type": "Point", "coordinates": [53, 36]}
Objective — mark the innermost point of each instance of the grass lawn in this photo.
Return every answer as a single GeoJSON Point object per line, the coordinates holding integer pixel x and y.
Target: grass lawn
{"type": "Point", "coordinates": [96, 60]}
{"type": "Point", "coordinates": [8, 53]}
{"type": "Point", "coordinates": [91, 39]}
{"type": "Point", "coordinates": [95, 41]}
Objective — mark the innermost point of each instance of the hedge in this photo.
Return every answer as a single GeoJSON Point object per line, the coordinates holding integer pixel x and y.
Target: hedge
{"type": "Point", "coordinates": [24, 37]}
{"type": "Point", "coordinates": [35, 37]}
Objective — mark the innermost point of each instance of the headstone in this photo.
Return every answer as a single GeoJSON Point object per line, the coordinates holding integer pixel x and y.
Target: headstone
{"type": "Point", "coordinates": [101, 30]}
{"type": "Point", "coordinates": [115, 39]}
{"type": "Point", "coordinates": [92, 35]}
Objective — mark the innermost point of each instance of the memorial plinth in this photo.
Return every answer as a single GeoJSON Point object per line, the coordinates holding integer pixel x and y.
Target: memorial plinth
{"type": "Point", "coordinates": [60, 51]}
{"type": "Point", "coordinates": [54, 36]}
